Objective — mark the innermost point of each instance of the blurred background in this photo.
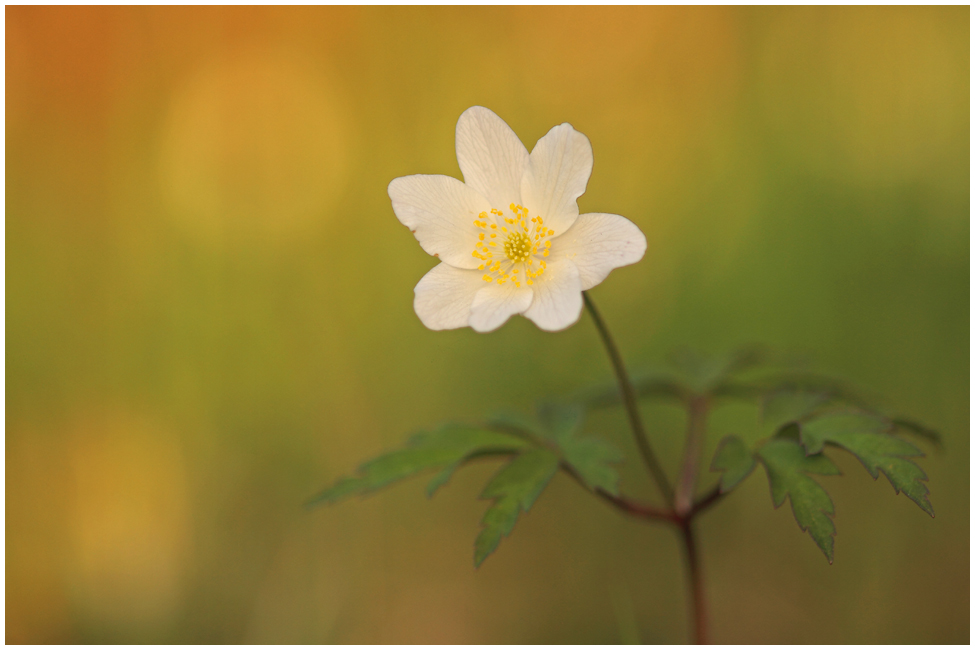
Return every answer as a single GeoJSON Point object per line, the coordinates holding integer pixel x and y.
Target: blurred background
{"type": "Point", "coordinates": [209, 316]}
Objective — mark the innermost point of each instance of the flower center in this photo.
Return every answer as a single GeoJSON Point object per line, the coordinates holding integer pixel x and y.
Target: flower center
{"type": "Point", "coordinates": [524, 239]}
{"type": "Point", "coordinates": [518, 247]}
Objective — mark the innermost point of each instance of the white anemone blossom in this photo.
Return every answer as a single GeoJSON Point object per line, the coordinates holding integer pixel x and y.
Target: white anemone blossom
{"type": "Point", "coordinates": [510, 238]}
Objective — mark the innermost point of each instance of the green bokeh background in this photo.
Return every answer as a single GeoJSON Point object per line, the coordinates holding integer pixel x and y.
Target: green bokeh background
{"type": "Point", "coordinates": [209, 315]}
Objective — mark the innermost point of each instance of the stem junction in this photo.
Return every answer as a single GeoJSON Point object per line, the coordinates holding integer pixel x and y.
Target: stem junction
{"type": "Point", "coordinates": [684, 506]}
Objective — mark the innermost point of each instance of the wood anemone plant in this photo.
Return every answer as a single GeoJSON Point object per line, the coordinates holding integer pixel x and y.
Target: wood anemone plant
{"type": "Point", "coordinates": [801, 416]}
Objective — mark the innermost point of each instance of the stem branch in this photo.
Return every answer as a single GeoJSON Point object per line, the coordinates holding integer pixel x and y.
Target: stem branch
{"type": "Point", "coordinates": [629, 506]}
{"type": "Point", "coordinates": [684, 507]}
{"type": "Point", "coordinates": [697, 414]}
{"type": "Point", "coordinates": [629, 400]}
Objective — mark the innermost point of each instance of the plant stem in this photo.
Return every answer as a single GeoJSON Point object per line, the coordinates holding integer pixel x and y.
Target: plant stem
{"type": "Point", "coordinates": [685, 508]}
{"type": "Point", "coordinates": [697, 414]}
{"type": "Point", "coordinates": [629, 400]}
{"type": "Point", "coordinates": [696, 583]}
{"type": "Point", "coordinates": [629, 506]}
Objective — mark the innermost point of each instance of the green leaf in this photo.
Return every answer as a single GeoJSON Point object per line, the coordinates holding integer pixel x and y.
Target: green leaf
{"type": "Point", "coordinates": [447, 447]}
{"type": "Point", "coordinates": [560, 420]}
{"type": "Point", "coordinates": [787, 467]}
{"type": "Point", "coordinates": [592, 460]}
{"type": "Point", "coordinates": [699, 371]}
{"type": "Point", "coordinates": [866, 437]}
{"type": "Point", "coordinates": [514, 489]}
{"type": "Point", "coordinates": [705, 373]}
{"type": "Point", "coordinates": [442, 477]}
{"type": "Point", "coordinates": [734, 460]}
{"type": "Point", "coordinates": [693, 373]}
{"type": "Point", "coordinates": [816, 432]}
{"type": "Point", "coordinates": [785, 407]}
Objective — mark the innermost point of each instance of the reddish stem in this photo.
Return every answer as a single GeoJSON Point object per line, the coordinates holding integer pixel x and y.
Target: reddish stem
{"type": "Point", "coordinates": [696, 583]}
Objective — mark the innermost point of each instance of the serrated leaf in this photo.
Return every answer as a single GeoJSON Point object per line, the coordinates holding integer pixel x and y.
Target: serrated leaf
{"type": "Point", "coordinates": [447, 446]}
{"type": "Point", "coordinates": [593, 459]}
{"type": "Point", "coordinates": [866, 437]}
{"type": "Point", "coordinates": [785, 407]}
{"type": "Point", "coordinates": [819, 430]}
{"type": "Point", "coordinates": [787, 467]}
{"type": "Point", "coordinates": [441, 478]}
{"type": "Point", "coordinates": [734, 460]}
{"type": "Point", "coordinates": [514, 489]}
{"type": "Point", "coordinates": [590, 459]}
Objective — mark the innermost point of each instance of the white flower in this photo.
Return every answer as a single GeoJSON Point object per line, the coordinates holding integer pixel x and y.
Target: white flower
{"type": "Point", "coordinates": [510, 239]}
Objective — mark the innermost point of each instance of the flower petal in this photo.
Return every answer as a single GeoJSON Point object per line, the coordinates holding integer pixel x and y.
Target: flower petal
{"type": "Point", "coordinates": [440, 211]}
{"type": "Point", "coordinates": [598, 243]}
{"type": "Point", "coordinates": [495, 304]}
{"type": "Point", "coordinates": [491, 156]}
{"type": "Point", "coordinates": [558, 296]}
{"type": "Point", "coordinates": [443, 297]}
{"type": "Point", "coordinates": [558, 171]}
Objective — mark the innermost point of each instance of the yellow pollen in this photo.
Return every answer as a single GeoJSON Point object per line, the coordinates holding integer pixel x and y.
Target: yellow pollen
{"type": "Point", "coordinates": [521, 243]}
{"type": "Point", "coordinates": [517, 247]}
